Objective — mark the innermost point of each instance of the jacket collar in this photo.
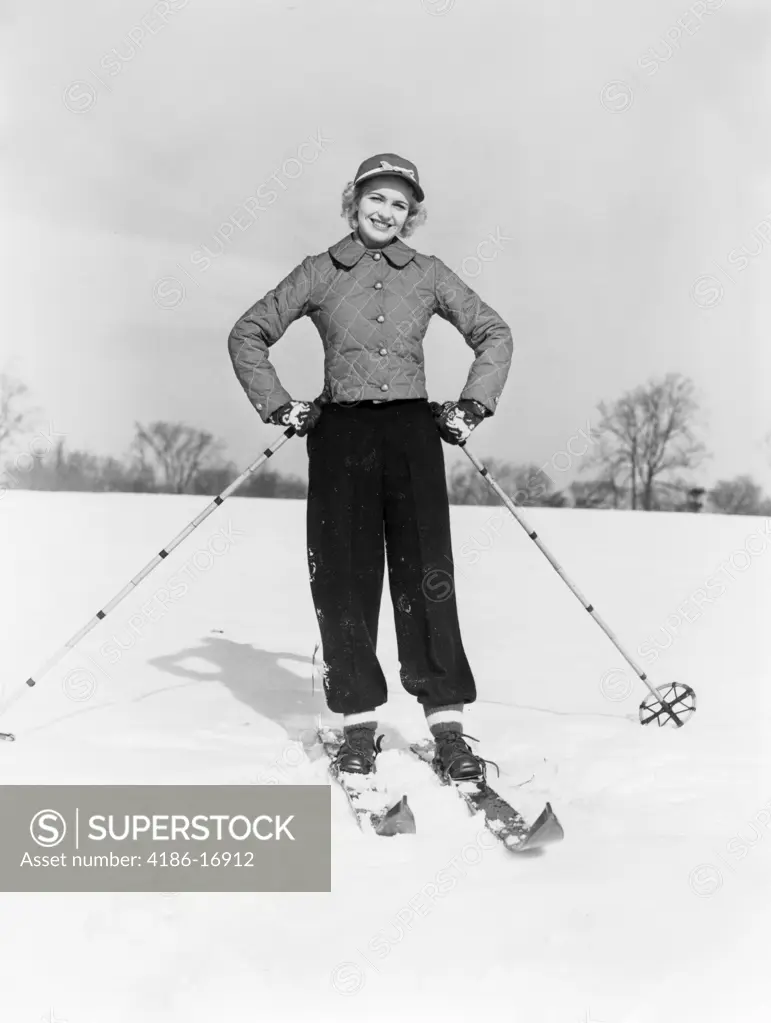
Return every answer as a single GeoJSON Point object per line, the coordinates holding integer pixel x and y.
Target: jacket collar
{"type": "Point", "coordinates": [348, 251]}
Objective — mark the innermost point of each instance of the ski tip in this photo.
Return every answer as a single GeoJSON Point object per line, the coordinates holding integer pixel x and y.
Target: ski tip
{"type": "Point", "coordinates": [399, 820]}
{"type": "Point", "coordinates": [544, 831]}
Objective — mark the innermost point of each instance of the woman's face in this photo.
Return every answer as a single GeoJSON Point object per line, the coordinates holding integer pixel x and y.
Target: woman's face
{"type": "Point", "coordinates": [383, 209]}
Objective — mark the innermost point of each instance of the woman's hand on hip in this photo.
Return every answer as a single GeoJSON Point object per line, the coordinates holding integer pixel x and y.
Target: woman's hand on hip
{"type": "Point", "coordinates": [457, 419]}
{"type": "Point", "coordinates": [302, 415]}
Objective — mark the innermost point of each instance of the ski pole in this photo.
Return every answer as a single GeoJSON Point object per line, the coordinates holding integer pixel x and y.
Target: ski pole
{"type": "Point", "coordinates": [159, 557]}
{"type": "Point", "coordinates": [668, 696]}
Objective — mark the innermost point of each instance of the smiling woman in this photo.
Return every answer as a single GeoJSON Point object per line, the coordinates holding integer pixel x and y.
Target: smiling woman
{"type": "Point", "coordinates": [376, 475]}
{"type": "Point", "coordinates": [384, 205]}
{"type": "Point", "coordinates": [383, 198]}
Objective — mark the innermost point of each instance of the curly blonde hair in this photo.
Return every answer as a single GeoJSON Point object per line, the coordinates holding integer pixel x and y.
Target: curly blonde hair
{"type": "Point", "coordinates": [352, 194]}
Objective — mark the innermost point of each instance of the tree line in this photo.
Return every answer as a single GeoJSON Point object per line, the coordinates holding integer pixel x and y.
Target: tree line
{"type": "Point", "coordinates": [162, 458]}
{"type": "Point", "coordinates": [643, 452]}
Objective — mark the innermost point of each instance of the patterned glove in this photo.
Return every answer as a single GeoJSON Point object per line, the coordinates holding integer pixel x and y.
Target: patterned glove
{"type": "Point", "coordinates": [456, 419]}
{"type": "Point", "coordinates": [302, 415]}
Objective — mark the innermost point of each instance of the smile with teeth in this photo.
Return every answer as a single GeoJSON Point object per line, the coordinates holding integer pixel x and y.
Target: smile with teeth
{"type": "Point", "coordinates": [380, 225]}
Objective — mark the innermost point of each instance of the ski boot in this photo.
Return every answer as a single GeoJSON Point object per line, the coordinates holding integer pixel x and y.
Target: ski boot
{"type": "Point", "coordinates": [357, 752]}
{"type": "Point", "coordinates": [454, 760]}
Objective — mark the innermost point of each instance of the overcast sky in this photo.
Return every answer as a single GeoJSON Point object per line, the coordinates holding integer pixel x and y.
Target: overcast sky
{"type": "Point", "coordinates": [621, 156]}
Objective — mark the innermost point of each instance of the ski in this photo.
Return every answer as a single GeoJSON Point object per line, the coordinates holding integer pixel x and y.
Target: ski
{"type": "Point", "coordinates": [367, 799]}
{"type": "Point", "coordinates": [501, 819]}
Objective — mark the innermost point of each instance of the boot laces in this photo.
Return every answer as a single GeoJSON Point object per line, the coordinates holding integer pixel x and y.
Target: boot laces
{"type": "Point", "coordinates": [454, 741]}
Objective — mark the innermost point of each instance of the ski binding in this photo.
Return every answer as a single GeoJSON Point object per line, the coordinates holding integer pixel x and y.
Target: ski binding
{"type": "Point", "coordinates": [367, 799]}
{"type": "Point", "coordinates": [506, 823]}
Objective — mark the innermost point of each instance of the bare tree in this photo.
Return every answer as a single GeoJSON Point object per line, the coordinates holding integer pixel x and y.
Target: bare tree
{"type": "Point", "coordinates": [646, 435]}
{"type": "Point", "coordinates": [15, 417]}
{"type": "Point", "coordinates": [739, 496]}
{"type": "Point", "coordinates": [175, 453]}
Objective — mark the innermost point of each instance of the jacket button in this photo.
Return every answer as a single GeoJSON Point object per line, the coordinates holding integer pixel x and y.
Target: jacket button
{"type": "Point", "coordinates": [382, 352]}
{"type": "Point", "coordinates": [378, 285]}
{"type": "Point", "coordinates": [381, 318]}
{"type": "Point", "coordinates": [259, 404]}
{"type": "Point", "coordinates": [384, 387]}
{"type": "Point", "coordinates": [376, 255]}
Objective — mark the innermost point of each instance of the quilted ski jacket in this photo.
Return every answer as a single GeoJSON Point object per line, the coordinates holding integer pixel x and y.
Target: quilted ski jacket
{"type": "Point", "coordinates": [371, 308]}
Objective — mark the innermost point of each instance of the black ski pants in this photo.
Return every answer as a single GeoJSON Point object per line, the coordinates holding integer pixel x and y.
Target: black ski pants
{"type": "Point", "coordinates": [377, 491]}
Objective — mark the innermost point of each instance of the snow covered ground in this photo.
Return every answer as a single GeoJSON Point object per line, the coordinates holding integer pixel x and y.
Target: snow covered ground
{"type": "Point", "coordinates": [653, 909]}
